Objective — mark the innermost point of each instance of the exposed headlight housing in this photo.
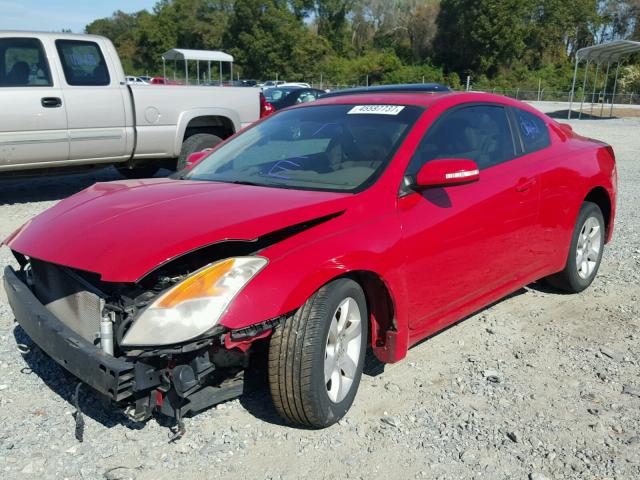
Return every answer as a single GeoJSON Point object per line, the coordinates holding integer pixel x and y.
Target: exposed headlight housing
{"type": "Point", "coordinates": [193, 306]}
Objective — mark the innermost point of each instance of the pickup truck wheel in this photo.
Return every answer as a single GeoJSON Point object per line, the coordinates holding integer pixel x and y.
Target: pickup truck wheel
{"type": "Point", "coordinates": [195, 143]}
{"type": "Point", "coordinates": [142, 171]}
{"type": "Point", "coordinates": [317, 355]}
{"type": "Point", "coordinates": [585, 252]}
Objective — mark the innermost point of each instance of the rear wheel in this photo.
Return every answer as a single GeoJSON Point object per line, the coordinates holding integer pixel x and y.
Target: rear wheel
{"type": "Point", "coordinates": [195, 143]}
{"type": "Point", "coordinates": [316, 356]}
{"type": "Point", "coordinates": [585, 254]}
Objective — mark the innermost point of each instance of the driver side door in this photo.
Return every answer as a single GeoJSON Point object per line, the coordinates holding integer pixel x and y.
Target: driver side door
{"type": "Point", "coordinates": [466, 245]}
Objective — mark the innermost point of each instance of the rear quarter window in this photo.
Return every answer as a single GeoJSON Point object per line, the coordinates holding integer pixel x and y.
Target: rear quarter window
{"type": "Point", "coordinates": [83, 63]}
{"type": "Point", "coordinates": [533, 131]}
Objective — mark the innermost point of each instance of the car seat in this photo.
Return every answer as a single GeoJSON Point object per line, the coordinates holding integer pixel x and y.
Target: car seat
{"type": "Point", "coordinates": [19, 74]}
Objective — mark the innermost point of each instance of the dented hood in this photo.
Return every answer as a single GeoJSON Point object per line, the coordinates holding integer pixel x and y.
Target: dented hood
{"type": "Point", "coordinates": [122, 230]}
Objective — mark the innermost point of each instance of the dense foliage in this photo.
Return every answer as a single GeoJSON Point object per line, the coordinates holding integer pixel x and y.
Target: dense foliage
{"type": "Point", "coordinates": [348, 42]}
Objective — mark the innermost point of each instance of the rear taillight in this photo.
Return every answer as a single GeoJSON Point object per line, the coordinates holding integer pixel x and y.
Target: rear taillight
{"type": "Point", "coordinates": [266, 108]}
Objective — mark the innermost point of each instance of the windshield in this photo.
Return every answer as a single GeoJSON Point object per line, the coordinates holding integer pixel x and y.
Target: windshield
{"type": "Point", "coordinates": [326, 147]}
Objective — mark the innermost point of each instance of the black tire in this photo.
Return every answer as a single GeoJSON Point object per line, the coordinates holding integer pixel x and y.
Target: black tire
{"type": "Point", "coordinates": [140, 171]}
{"type": "Point", "coordinates": [297, 355]}
{"type": "Point", "coordinates": [569, 280]}
{"type": "Point", "coordinates": [195, 143]}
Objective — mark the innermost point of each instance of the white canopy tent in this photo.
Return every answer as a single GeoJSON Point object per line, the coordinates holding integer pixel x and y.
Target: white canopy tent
{"type": "Point", "coordinates": [184, 55]}
{"type": "Point", "coordinates": [604, 54]}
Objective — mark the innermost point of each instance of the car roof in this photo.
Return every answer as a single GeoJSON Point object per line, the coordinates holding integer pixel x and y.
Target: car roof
{"type": "Point", "coordinates": [401, 87]}
{"type": "Point", "coordinates": [419, 99]}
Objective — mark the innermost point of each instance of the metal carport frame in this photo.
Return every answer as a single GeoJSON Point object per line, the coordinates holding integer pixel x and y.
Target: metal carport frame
{"type": "Point", "coordinates": [611, 52]}
{"type": "Point", "coordinates": [198, 56]}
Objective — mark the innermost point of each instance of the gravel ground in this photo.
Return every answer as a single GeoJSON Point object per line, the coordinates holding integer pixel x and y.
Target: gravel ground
{"type": "Point", "coordinates": [540, 385]}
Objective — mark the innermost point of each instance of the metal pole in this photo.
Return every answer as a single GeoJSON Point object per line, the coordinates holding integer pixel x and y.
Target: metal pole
{"type": "Point", "coordinates": [539, 87]}
{"type": "Point", "coordinates": [220, 65]}
{"type": "Point", "coordinates": [573, 87]}
{"type": "Point", "coordinates": [615, 85]}
{"type": "Point", "coordinates": [175, 67]}
{"type": "Point", "coordinates": [584, 87]}
{"type": "Point", "coordinates": [209, 70]}
{"type": "Point", "coordinates": [606, 80]}
{"type": "Point", "coordinates": [186, 72]}
{"type": "Point", "coordinates": [198, 70]}
{"type": "Point", "coordinates": [164, 68]}
{"type": "Point", "coordinates": [595, 83]}
{"type": "Point", "coordinates": [468, 82]}
{"type": "Point", "coordinates": [231, 70]}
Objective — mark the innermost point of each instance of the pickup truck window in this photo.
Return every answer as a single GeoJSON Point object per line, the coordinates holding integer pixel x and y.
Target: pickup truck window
{"type": "Point", "coordinates": [83, 63]}
{"type": "Point", "coordinates": [23, 63]}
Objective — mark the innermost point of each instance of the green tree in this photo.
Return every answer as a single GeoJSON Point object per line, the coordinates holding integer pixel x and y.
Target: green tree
{"type": "Point", "coordinates": [332, 22]}
{"type": "Point", "coordinates": [481, 36]}
{"type": "Point", "coordinates": [123, 30]}
{"type": "Point", "coordinates": [274, 42]}
{"type": "Point", "coordinates": [506, 43]}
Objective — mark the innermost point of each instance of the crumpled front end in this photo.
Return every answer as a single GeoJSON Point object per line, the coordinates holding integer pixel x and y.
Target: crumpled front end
{"type": "Point", "coordinates": [82, 323]}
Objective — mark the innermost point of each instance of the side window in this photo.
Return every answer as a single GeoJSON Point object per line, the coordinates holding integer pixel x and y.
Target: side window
{"type": "Point", "coordinates": [23, 63]}
{"type": "Point", "coordinates": [533, 131]}
{"type": "Point", "coordinates": [83, 63]}
{"type": "Point", "coordinates": [480, 133]}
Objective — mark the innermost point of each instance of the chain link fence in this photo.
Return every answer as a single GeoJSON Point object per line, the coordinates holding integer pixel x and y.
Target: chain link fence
{"type": "Point", "coordinates": [544, 95]}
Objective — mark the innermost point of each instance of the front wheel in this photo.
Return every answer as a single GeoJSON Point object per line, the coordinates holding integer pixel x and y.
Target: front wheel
{"type": "Point", "coordinates": [317, 355]}
{"type": "Point", "coordinates": [585, 253]}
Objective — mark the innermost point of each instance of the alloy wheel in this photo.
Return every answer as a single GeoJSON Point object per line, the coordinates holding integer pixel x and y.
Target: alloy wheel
{"type": "Point", "coordinates": [343, 349]}
{"type": "Point", "coordinates": [588, 248]}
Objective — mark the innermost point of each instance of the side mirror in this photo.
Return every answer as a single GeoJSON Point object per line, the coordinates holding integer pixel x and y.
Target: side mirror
{"type": "Point", "coordinates": [445, 172]}
{"type": "Point", "coordinates": [195, 157]}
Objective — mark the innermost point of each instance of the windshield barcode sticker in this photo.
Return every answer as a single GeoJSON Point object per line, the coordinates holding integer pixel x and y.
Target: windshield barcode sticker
{"type": "Point", "coordinates": [377, 109]}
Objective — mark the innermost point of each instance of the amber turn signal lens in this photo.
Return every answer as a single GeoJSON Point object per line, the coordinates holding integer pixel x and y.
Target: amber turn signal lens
{"type": "Point", "coordinates": [202, 284]}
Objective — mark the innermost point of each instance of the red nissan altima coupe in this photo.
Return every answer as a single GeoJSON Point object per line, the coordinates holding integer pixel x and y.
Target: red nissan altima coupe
{"type": "Point", "coordinates": [359, 221]}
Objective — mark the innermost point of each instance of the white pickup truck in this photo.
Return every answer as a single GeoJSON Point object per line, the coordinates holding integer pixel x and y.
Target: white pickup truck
{"type": "Point", "coordinates": [64, 102]}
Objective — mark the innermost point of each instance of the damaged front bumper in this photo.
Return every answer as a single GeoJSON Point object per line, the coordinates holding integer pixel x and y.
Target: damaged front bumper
{"type": "Point", "coordinates": [150, 381]}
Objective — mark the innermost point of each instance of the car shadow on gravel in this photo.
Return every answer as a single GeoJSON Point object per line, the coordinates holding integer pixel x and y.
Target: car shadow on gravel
{"type": "Point", "coordinates": [256, 398]}
{"type": "Point", "coordinates": [517, 293]}
{"type": "Point", "coordinates": [64, 384]}
{"type": "Point", "coordinates": [575, 115]}
{"type": "Point", "coordinates": [45, 188]}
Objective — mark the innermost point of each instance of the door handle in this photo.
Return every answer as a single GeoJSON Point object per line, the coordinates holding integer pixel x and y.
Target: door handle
{"type": "Point", "coordinates": [51, 102]}
{"type": "Point", "coordinates": [525, 184]}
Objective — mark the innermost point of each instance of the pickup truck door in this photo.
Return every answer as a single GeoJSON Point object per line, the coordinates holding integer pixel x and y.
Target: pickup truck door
{"type": "Point", "coordinates": [95, 99]}
{"type": "Point", "coordinates": [33, 119]}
